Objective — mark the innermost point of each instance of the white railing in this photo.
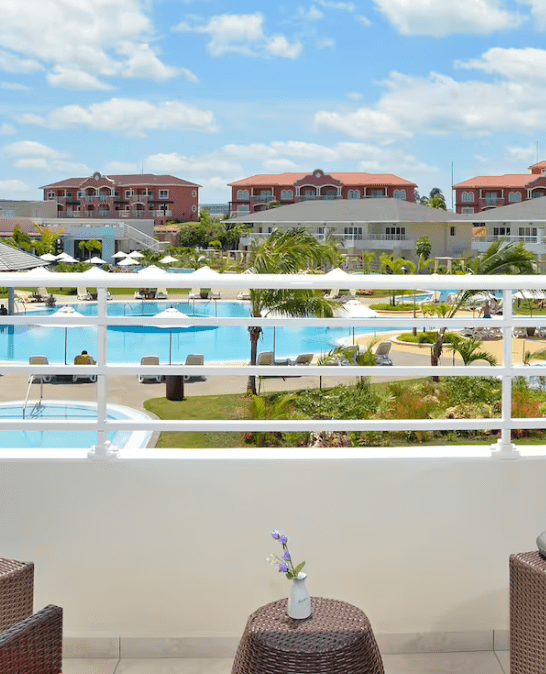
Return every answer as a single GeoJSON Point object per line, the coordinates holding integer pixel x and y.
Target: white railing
{"type": "Point", "coordinates": [103, 368]}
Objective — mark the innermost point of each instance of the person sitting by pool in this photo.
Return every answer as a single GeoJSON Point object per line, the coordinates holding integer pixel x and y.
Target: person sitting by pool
{"type": "Point", "coordinates": [3, 310]}
{"type": "Point", "coordinates": [495, 306]}
{"type": "Point", "coordinates": [84, 359]}
{"type": "Point", "coordinates": [485, 311]}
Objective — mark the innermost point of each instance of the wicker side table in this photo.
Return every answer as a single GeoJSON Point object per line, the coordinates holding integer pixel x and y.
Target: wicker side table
{"type": "Point", "coordinates": [336, 639]}
{"type": "Point", "coordinates": [527, 613]}
{"type": "Point", "coordinates": [16, 591]}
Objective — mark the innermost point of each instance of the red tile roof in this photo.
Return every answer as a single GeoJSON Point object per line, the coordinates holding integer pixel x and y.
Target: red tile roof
{"type": "Point", "coordinates": [346, 178]}
{"type": "Point", "coordinates": [507, 180]}
{"type": "Point", "coordinates": [144, 179]}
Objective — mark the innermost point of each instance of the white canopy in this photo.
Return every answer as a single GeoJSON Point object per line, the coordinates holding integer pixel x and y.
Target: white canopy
{"type": "Point", "coordinates": [127, 261]}
{"type": "Point", "coordinates": [65, 257]}
{"type": "Point", "coordinates": [168, 259]}
{"type": "Point", "coordinates": [97, 260]}
{"type": "Point", "coordinates": [95, 271]}
{"type": "Point", "coordinates": [204, 272]}
{"type": "Point", "coordinates": [530, 295]}
{"type": "Point", "coordinates": [171, 312]}
{"type": "Point", "coordinates": [338, 274]}
{"type": "Point", "coordinates": [48, 257]}
{"type": "Point", "coordinates": [152, 270]}
{"type": "Point", "coordinates": [135, 253]}
{"type": "Point", "coordinates": [355, 309]}
{"type": "Point", "coordinates": [39, 272]}
{"type": "Point", "coordinates": [119, 255]}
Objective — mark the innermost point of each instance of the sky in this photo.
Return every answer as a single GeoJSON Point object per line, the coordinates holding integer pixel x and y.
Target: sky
{"type": "Point", "coordinates": [213, 91]}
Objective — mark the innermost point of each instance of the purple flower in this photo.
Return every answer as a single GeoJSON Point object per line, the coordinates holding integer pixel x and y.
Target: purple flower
{"type": "Point", "coordinates": [275, 534]}
{"type": "Point", "coordinates": [283, 567]}
{"type": "Point", "coordinates": [286, 556]}
{"type": "Point", "coordinates": [283, 539]}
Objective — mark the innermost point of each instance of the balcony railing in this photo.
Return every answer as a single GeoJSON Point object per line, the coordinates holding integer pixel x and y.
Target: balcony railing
{"type": "Point", "coordinates": [264, 198]}
{"type": "Point", "coordinates": [318, 197]}
{"type": "Point", "coordinates": [518, 239]}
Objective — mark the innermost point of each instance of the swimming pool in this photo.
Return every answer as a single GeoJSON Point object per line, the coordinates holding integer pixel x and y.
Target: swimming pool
{"type": "Point", "coordinates": [129, 345]}
{"type": "Point", "coordinates": [68, 409]}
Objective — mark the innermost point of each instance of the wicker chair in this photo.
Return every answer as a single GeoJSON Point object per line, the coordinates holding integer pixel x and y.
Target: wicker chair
{"type": "Point", "coordinates": [29, 644]}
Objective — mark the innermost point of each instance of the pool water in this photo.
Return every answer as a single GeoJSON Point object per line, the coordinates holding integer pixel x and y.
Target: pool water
{"type": "Point", "coordinates": [129, 344]}
{"type": "Point", "coordinates": [67, 439]}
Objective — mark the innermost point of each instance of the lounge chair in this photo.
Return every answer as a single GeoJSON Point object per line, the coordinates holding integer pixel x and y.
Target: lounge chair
{"type": "Point", "coordinates": [139, 294]}
{"type": "Point", "coordinates": [40, 360]}
{"type": "Point", "coordinates": [161, 294]}
{"type": "Point", "coordinates": [84, 359]}
{"type": "Point", "coordinates": [302, 359]}
{"type": "Point", "coordinates": [23, 296]}
{"type": "Point", "coordinates": [382, 352]}
{"type": "Point", "coordinates": [332, 295]}
{"type": "Point", "coordinates": [265, 358]}
{"type": "Point", "coordinates": [194, 359]}
{"type": "Point", "coordinates": [244, 295]}
{"type": "Point", "coordinates": [150, 360]}
{"type": "Point", "coordinates": [214, 294]}
{"type": "Point", "coordinates": [195, 294]}
{"type": "Point", "coordinates": [83, 294]}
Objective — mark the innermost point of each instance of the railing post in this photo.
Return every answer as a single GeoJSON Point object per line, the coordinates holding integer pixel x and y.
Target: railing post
{"type": "Point", "coordinates": [505, 448]}
{"type": "Point", "coordinates": [104, 448]}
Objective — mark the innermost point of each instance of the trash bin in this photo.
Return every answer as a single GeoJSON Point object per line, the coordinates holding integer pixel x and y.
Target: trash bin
{"type": "Point", "coordinates": [174, 387]}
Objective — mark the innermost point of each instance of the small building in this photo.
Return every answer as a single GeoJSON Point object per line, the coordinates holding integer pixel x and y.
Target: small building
{"type": "Point", "coordinates": [157, 198]}
{"type": "Point", "coordinates": [27, 209]}
{"type": "Point", "coordinates": [257, 192]}
{"type": "Point", "coordinates": [484, 193]}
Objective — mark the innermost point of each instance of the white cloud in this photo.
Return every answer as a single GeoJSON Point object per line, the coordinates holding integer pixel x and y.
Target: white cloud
{"type": "Point", "coordinates": [121, 168]}
{"type": "Point", "coordinates": [130, 116]}
{"type": "Point", "coordinates": [282, 165]}
{"type": "Point", "coordinates": [354, 95]}
{"type": "Point", "coordinates": [243, 34]}
{"type": "Point", "coordinates": [343, 6]}
{"type": "Point", "coordinates": [363, 20]}
{"type": "Point", "coordinates": [32, 163]}
{"type": "Point", "coordinates": [105, 38]}
{"type": "Point", "coordinates": [445, 17]}
{"type": "Point", "coordinates": [30, 148]}
{"type": "Point", "coordinates": [516, 64]}
{"type": "Point", "coordinates": [14, 186]}
{"type": "Point", "coordinates": [537, 12]}
{"type": "Point", "coordinates": [13, 64]}
{"type": "Point", "coordinates": [75, 80]}
{"type": "Point", "coordinates": [324, 43]}
{"type": "Point", "coordinates": [14, 86]}
{"type": "Point", "coordinates": [311, 14]}
{"type": "Point", "coordinates": [7, 129]}
{"type": "Point", "coordinates": [206, 165]}
{"type": "Point", "coordinates": [522, 154]}
{"type": "Point", "coordinates": [439, 105]}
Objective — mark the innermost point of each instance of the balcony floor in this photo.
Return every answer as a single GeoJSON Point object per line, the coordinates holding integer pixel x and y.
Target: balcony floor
{"type": "Point", "coordinates": [480, 662]}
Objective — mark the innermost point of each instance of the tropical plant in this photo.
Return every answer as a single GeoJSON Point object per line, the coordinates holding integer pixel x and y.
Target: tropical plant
{"type": "Point", "coordinates": [19, 239]}
{"type": "Point", "coordinates": [367, 258]}
{"type": "Point", "coordinates": [286, 252]}
{"type": "Point", "coordinates": [388, 264]}
{"type": "Point", "coordinates": [499, 258]}
{"type": "Point", "coordinates": [48, 240]}
{"type": "Point", "coordinates": [91, 246]}
{"type": "Point", "coordinates": [423, 246]}
{"type": "Point", "coordinates": [469, 350]}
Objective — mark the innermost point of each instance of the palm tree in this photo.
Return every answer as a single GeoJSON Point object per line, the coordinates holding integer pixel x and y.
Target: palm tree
{"type": "Point", "coordinates": [388, 264]}
{"type": "Point", "coordinates": [468, 349]}
{"type": "Point", "coordinates": [286, 252]}
{"type": "Point", "coordinates": [499, 258]}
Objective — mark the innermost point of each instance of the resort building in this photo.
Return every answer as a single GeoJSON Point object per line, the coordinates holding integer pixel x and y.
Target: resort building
{"type": "Point", "coordinates": [27, 209]}
{"type": "Point", "coordinates": [256, 193]}
{"type": "Point", "coordinates": [483, 193]}
{"type": "Point", "coordinates": [382, 225]}
{"type": "Point", "coordinates": [158, 198]}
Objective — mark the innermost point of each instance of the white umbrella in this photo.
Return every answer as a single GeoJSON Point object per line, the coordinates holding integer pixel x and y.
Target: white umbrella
{"type": "Point", "coordinates": [338, 274]}
{"type": "Point", "coordinates": [96, 260]}
{"type": "Point", "coordinates": [65, 257]}
{"type": "Point", "coordinates": [168, 259]}
{"type": "Point", "coordinates": [135, 253]}
{"type": "Point", "coordinates": [127, 261]}
{"type": "Point", "coordinates": [355, 309]}
{"type": "Point", "coordinates": [39, 272]}
{"type": "Point", "coordinates": [152, 270]}
{"type": "Point", "coordinates": [171, 312]}
{"type": "Point", "coordinates": [95, 272]}
{"type": "Point", "coordinates": [48, 257]}
{"type": "Point", "coordinates": [119, 255]}
{"type": "Point", "coordinates": [63, 314]}
{"type": "Point", "coordinates": [204, 272]}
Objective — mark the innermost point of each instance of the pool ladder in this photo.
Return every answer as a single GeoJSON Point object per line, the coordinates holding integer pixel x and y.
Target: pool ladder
{"type": "Point", "coordinates": [38, 407]}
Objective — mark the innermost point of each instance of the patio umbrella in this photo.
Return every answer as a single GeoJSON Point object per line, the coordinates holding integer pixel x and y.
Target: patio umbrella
{"type": "Point", "coordinates": [96, 271]}
{"type": "Point", "coordinates": [39, 272]}
{"type": "Point", "coordinates": [48, 257]}
{"type": "Point", "coordinates": [96, 260]}
{"type": "Point", "coordinates": [65, 257]}
{"type": "Point", "coordinates": [168, 259]}
{"type": "Point", "coordinates": [355, 309]}
{"type": "Point", "coordinates": [127, 261]}
{"type": "Point", "coordinates": [152, 270]}
{"type": "Point", "coordinates": [135, 253]}
{"type": "Point", "coordinates": [65, 312]}
{"type": "Point", "coordinates": [204, 272]}
{"type": "Point", "coordinates": [119, 255]}
{"type": "Point", "coordinates": [171, 312]}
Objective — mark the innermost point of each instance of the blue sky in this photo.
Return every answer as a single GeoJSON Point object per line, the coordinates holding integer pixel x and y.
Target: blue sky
{"type": "Point", "coordinates": [214, 91]}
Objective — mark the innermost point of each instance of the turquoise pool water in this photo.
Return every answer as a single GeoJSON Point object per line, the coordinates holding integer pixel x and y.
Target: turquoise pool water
{"type": "Point", "coordinates": [129, 344]}
{"type": "Point", "coordinates": [60, 409]}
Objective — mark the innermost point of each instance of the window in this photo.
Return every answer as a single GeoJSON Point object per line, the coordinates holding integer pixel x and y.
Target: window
{"type": "Point", "coordinates": [128, 194]}
{"type": "Point", "coordinates": [243, 210]}
{"type": "Point", "coordinates": [80, 195]}
{"type": "Point", "coordinates": [467, 211]}
{"type": "Point", "coordinates": [69, 195]}
{"type": "Point", "coordinates": [354, 233]}
{"type": "Point", "coordinates": [399, 194]}
{"type": "Point", "coordinates": [194, 193]}
{"type": "Point", "coordinates": [491, 198]}
{"type": "Point", "coordinates": [376, 194]}
{"type": "Point", "coordinates": [51, 195]}
{"type": "Point", "coordinates": [467, 197]}
{"type": "Point", "coordinates": [395, 233]}
{"type": "Point", "coordinates": [163, 194]}
{"type": "Point", "coordinates": [501, 231]}
{"type": "Point", "coordinates": [452, 231]}
{"type": "Point", "coordinates": [354, 194]}
{"type": "Point", "coordinates": [514, 197]}
{"type": "Point", "coordinates": [529, 233]}
{"type": "Point", "coordinates": [287, 194]}
{"type": "Point", "coordinates": [193, 208]}
{"type": "Point", "coordinates": [242, 194]}
{"type": "Point", "coordinates": [536, 195]}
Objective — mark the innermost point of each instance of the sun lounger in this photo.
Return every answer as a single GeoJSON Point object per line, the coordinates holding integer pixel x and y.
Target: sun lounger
{"type": "Point", "coordinates": [194, 359]}
{"type": "Point", "coordinates": [150, 360]}
{"type": "Point", "coordinates": [161, 294]}
{"type": "Point", "coordinates": [214, 294]}
{"type": "Point", "coordinates": [302, 359]}
{"type": "Point", "coordinates": [195, 294]}
{"type": "Point", "coordinates": [84, 359]}
{"type": "Point", "coordinates": [40, 360]}
{"type": "Point", "coordinates": [382, 352]}
{"type": "Point", "coordinates": [83, 294]}
{"type": "Point", "coordinates": [244, 295]}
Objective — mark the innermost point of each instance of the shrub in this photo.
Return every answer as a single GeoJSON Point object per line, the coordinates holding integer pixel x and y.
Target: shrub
{"type": "Point", "coordinates": [385, 306]}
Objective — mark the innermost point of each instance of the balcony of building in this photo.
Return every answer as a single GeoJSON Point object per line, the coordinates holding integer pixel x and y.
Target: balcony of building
{"type": "Point", "coordinates": [159, 555]}
{"type": "Point", "coordinates": [491, 202]}
{"type": "Point", "coordinates": [534, 243]}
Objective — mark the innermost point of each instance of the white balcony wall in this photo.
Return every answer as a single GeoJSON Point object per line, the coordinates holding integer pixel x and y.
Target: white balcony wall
{"type": "Point", "coordinates": [177, 546]}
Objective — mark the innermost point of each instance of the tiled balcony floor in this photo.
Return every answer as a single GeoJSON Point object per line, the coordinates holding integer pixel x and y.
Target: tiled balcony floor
{"type": "Point", "coordinates": [481, 662]}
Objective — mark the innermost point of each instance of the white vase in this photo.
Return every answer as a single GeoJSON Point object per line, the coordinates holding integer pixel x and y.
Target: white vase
{"type": "Point", "coordinates": [299, 602]}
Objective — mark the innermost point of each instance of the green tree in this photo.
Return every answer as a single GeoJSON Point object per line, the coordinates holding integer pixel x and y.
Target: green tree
{"type": "Point", "coordinates": [91, 246]}
{"type": "Point", "coordinates": [423, 247]}
{"type": "Point", "coordinates": [286, 252]}
{"type": "Point", "coordinates": [19, 239]}
{"type": "Point", "coordinates": [388, 264]}
{"type": "Point", "coordinates": [499, 258]}
{"type": "Point", "coordinates": [368, 258]}
{"type": "Point", "coordinates": [48, 240]}
{"type": "Point", "coordinates": [469, 350]}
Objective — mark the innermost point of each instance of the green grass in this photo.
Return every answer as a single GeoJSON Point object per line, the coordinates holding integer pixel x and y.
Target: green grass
{"type": "Point", "coordinates": [199, 408]}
